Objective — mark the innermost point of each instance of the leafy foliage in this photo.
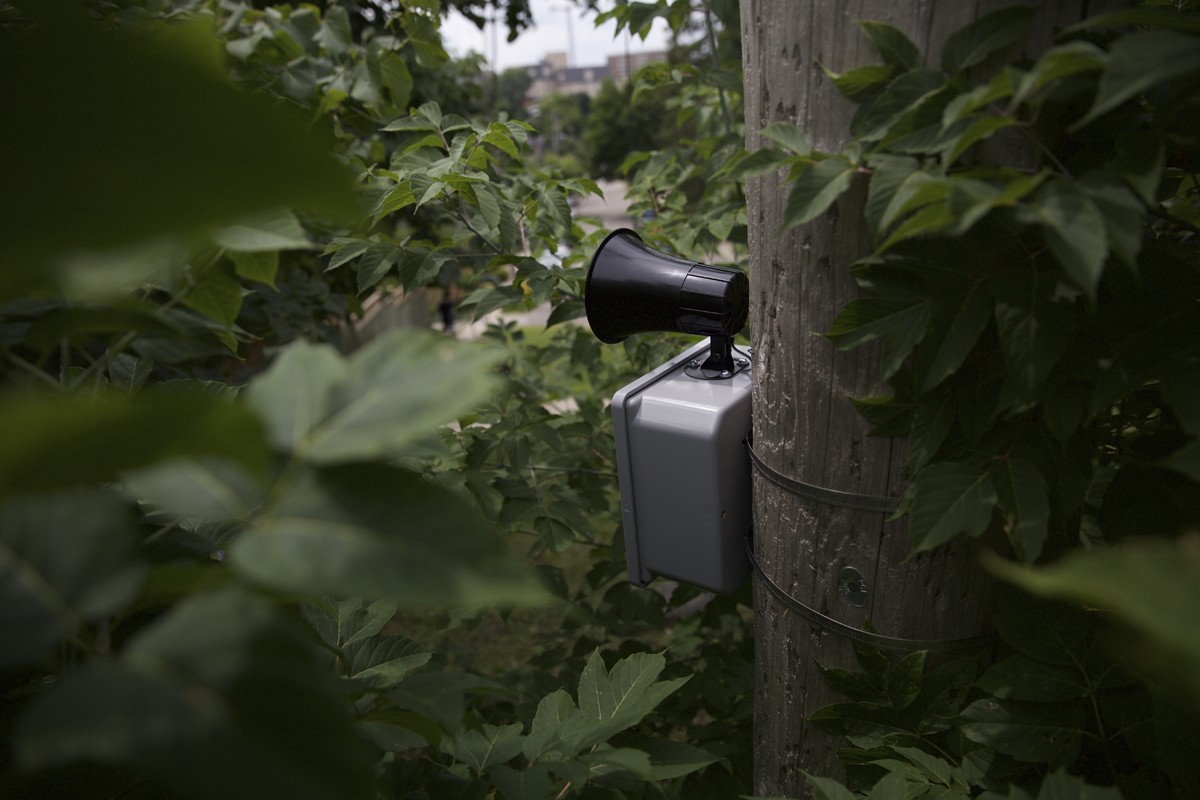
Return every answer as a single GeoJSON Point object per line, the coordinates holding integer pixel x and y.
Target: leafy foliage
{"type": "Point", "coordinates": [1037, 317]}
{"type": "Point", "coordinates": [215, 525]}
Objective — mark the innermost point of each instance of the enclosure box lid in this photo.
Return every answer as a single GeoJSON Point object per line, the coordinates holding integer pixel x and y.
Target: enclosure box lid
{"type": "Point", "coordinates": [685, 475]}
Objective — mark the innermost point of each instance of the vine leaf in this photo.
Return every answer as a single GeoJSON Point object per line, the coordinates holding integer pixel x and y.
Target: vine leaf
{"type": "Point", "coordinates": [902, 320]}
{"type": "Point", "coordinates": [889, 174]}
{"type": "Point", "coordinates": [816, 190]}
{"type": "Point", "coordinates": [1021, 491]}
{"type": "Point", "coordinates": [65, 558]}
{"type": "Point", "coordinates": [1037, 732]}
{"type": "Point", "coordinates": [788, 135]}
{"type": "Point", "coordinates": [932, 422]}
{"type": "Point", "coordinates": [894, 47]}
{"type": "Point", "coordinates": [973, 43]}
{"type": "Point", "coordinates": [950, 498]}
{"type": "Point", "coordinates": [957, 323]}
{"type": "Point", "coordinates": [1138, 62]}
{"type": "Point", "coordinates": [1074, 229]}
{"type": "Point", "coordinates": [1153, 588]}
{"type": "Point", "coordinates": [1033, 329]}
{"type": "Point", "coordinates": [1021, 677]}
{"type": "Point", "coordinates": [489, 745]}
{"type": "Point", "coordinates": [275, 229]}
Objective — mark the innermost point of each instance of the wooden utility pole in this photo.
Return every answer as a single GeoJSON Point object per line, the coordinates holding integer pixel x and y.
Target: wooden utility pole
{"type": "Point", "coordinates": [804, 425]}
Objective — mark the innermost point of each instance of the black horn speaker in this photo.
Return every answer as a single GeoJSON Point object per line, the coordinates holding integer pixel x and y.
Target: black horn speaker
{"type": "Point", "coordinates": [634, 289]}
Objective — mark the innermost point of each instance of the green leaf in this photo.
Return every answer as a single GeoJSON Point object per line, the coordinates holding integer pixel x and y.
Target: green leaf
{"type": "Point", "coordinates": [432, 112]}
{"type": "Point", "coordinates": [827, 788]}
{"type": "Point", "coordinates": [605, 761]}
{"type": "Point", "coordinates": [905, 93]}
{"type": "Point", "coordinates": [52, 441]}
{"type": "Point", "coordinates": [816, 190]}
{"type": "Point", "coordinates": [214, 153]}
{"type": "Point", "coordinates": [1037, 732]}
{"type": "Point", "coordinates": [1059, 62]}
{"type": "Point", "coordinates": [383, 661]}
{"type": "Point", "coordinates": [375, 531]}
{"type": "Point", "coordinates": [65, 558]}
{"type": "Point", "coordinates": [440, 697]}
{"type": "Point", "coordinates": [1074, 229]}
{"type": "Point", "coordinates": [401, 196]}
{"type": "Point", "coordinates": [489, 205]}
{"type": "Point", "coordinates": [348, 250]}
{"type": "Point", "coordinates": [564, 312]}
{"type": "Point", "coordinates": [902, 320]}
{"type": "Point", "coordinates": [602, 695]}
{"type": "Point", "coordinates": [206, 488]}
{"type": "Point", "coordinates": [891, 418]}
{"type": "Point", "coordinates": [980, 129]}
{"type": "Point", "coordinates": [932, 422]}
{"type": "Point", "coordinates": [142, 709]}
{"type": "Point", "coordinates": [1153, 588]}
{"type": "Point", "coordinates": [760, 162]}
{"type": "Point", "coordinates": [1021, 492]}
{"type": "Point", "coordinates": [950, 499]}
{"type": "Point", "coordinates": [335, 34]}
{"type": "Point", "coordinates": [396, 79]}
{"type": "Point", "coordinates": [411, 124]}
{"type": "Point", "coordinates": [1138, 62]}
{"type": "Point", "coordinates": [295, 394]}
{"type": "Point", "coordinates": [788, 135]}
{"type": "Point", "coordinates": [957, 322]}
{"type": "Point", "coordinates": [258, 266]}
{"type": "Point", "coordinates": [973, 43]}
{"type": "Point", "coordinates": [375, 263]}
{"type": "Point", "coordinates": [1123, 212]}
{"type": "Point", "coordinates": [889, 173]}
{"type": "Point", "coordinates": [894, 47]}
{"type": "Point", "coordinates": [1020, 677]}
{"type": "Point", "coordinates": [276, 229]}
{"type": "Point", "coordinates": [861, 81]}
{"type": "Point", "coordinates": [1060, 785]}
{"type": "Point", "coordinates": [531, 783]}
{"type": "Point", "coordinates": [217, 293]}
{"type": "Point", "coordinates": [669, 758]}
{"type": "Point", "coordinates": [128, 373]}
{"type": "Point", "coordinates": [1054, 633]}
{"type": "Point", "coordinates": [1034, 329]}
{"type": "Point", "coordinates": [502, 140]}
{"type": "Point", "coordinates": [998, 87]}
{"type": "Point", "coordinates": [490, 745]}
{"type": "Point", "coordinates": [329, 409]}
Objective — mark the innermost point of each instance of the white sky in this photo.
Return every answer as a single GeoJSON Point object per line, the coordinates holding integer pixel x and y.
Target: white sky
{"type": "Point", "coordinates": [593, 45]}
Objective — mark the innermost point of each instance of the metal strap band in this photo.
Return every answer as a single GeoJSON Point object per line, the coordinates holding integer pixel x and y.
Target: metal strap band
{"type": "Point", "coordinates": [864, 637]}
{"type": "Point", "coordinates": [830, 497]}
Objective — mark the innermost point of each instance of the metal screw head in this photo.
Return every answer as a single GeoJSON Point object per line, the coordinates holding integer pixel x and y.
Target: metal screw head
{"type": "Point", "coordinates": [741, 362]}
{"type": "Point", "coordinates": [854, 586]}
{"type": "Point", "coordinates": [725, 373]}
{"type": "Point", "coordinates": [694, 363]}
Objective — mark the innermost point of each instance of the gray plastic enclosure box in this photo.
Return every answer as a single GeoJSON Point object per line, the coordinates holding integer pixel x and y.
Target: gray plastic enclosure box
{"type": "Point", "coordinates": [685, 475]}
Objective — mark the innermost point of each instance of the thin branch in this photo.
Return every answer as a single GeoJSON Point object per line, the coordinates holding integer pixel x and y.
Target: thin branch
{"type": "Point", "coordinates": [31, 369]}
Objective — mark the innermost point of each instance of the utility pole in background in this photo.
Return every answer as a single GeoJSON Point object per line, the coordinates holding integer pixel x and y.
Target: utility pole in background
{"type": "Point", "coordinates": [804, 425]}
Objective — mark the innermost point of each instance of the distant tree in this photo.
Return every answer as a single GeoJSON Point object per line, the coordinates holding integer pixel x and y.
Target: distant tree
{"type": "Point", "coordinates": [510, 89]}
{"type": "Point", "coordinates": [561, 119]}
{"type": "Point", "coordinates": [616, 127]}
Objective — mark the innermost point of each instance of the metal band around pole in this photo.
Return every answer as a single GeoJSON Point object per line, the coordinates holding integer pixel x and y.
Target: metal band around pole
{"type": "Point", "coordinates": [817, 494]}
{"type": "Point", "coordinates": [863, 637]}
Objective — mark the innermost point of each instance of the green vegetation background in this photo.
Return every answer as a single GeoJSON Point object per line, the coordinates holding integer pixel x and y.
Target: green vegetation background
{"type": "Point", "coordinates": [239, 562]}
